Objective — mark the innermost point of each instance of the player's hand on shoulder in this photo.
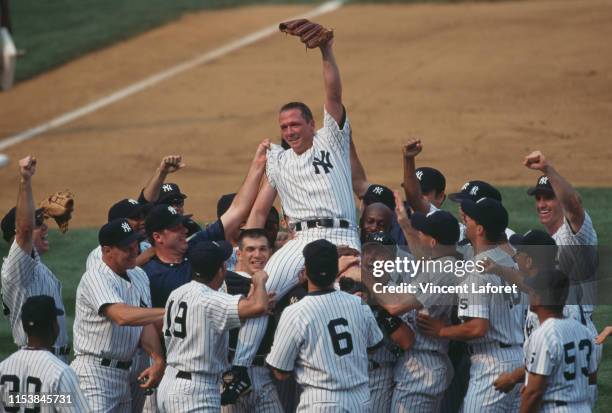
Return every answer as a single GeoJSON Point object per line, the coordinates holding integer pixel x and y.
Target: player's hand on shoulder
{"type": "Point", "coordinates": [504, 383]}
{"type": "Point", "coordinates": [259, 277]}
{"type": "Point", "coordinates": [171, 163]}
{"type": "Point", "coordinates": [412, 148]}
{"type": "Point", "coordinates": [27, 167]}
{"type": "Point", "coordinates": [537, 161]}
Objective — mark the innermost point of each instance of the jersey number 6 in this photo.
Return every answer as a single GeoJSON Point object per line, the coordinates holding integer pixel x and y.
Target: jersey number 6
{"type": "Point", "coordinates": [340, 338]}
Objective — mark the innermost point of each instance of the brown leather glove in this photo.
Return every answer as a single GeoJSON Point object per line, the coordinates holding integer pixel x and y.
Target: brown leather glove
{"type": "Point", "coordinates": [313, 35]}
{"type": "Point", "coordinates": [59, 206]}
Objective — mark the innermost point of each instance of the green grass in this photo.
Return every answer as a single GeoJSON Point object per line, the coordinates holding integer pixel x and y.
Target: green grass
{"type": "Point", "coordinates": [69, 251]}
{"type": "Point", "coordinates": [54, 32]}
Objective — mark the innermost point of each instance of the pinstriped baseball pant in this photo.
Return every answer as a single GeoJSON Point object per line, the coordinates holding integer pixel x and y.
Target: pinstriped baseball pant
{"type": "Point", "coordinates": [283, 270]}
{"type": "Point", "coordinates": [421, 379]}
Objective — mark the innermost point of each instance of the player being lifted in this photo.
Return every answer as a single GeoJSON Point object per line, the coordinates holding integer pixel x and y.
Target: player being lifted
{"type": "Point", "coordinates": [313, 179]}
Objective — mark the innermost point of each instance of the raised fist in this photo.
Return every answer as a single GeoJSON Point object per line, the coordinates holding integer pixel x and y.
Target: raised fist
{"type": "Point", "coordinates": [171, 163]}
{"type": "Point", "coordinates": [412, 148]}
{"type": "Point", "coordinates": [27, 167]}
{"type": "Point", "coordinates": [536, 160]}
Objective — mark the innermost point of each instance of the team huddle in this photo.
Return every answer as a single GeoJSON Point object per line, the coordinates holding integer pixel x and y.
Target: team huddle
{"type": "Point", "coordinates": [238, 316]}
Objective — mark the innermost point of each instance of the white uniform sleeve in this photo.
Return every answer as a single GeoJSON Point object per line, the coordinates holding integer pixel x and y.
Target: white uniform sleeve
{"type": "Point", "coordinates": [593, 360]}
{"type": "Point", "coordinates": [222, 310]}
{"type": "Point", "coordinates": [332, 134]}
{"type": "Point", "coordinates": [473, 305]}
{"type": "Point", "coordinates": [18, 267]}
{"type": "Point", "coordinates": [544, 354]}
{"type": "Point", "coordinates": [69, 385]}
{"type": "Point", "coordinates": [98, 291]}
{"type": "Point", "coordinates": [272, 163]}
{"type": "Point", "coordinates": [375, 336]}
{"type": "Point", "coordinates": [287, 343]}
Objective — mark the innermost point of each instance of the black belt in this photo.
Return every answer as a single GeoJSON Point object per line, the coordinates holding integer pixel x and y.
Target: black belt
{"type": "Point", "coordinates": [473, 348]}
{"type": "Point", "coordinates": [123, 365]}
{"type": "Point", "coordinates": [61, 351]}
{"type": "Point", "coordinates": [321, 223]}
{"type": "Point", "coordinates": [560, 403]}
{"type": "Point", "coordinates": [259, 361]}
{"type": "Point", "coordinates": [183, 375]}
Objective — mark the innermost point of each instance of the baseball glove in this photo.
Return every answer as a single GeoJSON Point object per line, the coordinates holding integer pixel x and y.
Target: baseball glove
{"type": "Point", "coordinates": [59, 206]}
{"type": "Point", "coordinates": [313, 35]}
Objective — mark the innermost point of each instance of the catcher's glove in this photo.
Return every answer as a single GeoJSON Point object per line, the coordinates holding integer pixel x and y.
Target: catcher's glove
{"type": "Point", "coordinates": [313, 35]}
{"type": "Point", "coordinates": [59, 206]}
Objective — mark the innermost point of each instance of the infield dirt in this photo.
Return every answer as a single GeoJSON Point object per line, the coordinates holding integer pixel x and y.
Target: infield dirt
{"type": "Point", "coordinates": [482, 84]}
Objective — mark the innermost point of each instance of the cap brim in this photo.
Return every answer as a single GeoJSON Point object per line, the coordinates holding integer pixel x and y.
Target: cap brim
{"type": "Point", "coordinates": [469, 208]}
{"type": "Point", "coordinates": [163, 200]}
{"type": "Point", "coordinates": [458, 197]}
{"type": "Point", "coordinates": [138, 210]}
{"type": "Point", "coordinates": [516, 240]}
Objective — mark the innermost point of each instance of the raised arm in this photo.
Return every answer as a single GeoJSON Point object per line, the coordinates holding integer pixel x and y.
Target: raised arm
{"type": "Point", "coordinates": [412, 187]}
{"type": "Point", "coordinates": [24, 213]}
{"type": "Point", "coordinates": [331, 80]}
{"type": "Point", "coordinates": [261, 207]}
{"type": "Point", "coordinates": [358, 173]}
{"type": "Point", "coordinates": [168, 165]}
{"type": "Point", "coordinates": [244, 199]}
{"type": "Point", "coordinates": [256, 304]}
{"type": "Point", "coordinates": [564, 191]}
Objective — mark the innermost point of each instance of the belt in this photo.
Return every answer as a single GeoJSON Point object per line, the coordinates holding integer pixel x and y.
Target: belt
{"type": "Point", "coordinates": [61, 351]}
{"type": "Point", "coordinates": [322, 223]}
{"type": "Point", "coordinates": [560, 403]}
{"type": "Point", "coordinates": [259, 361]}
{"type": "Point", "coordinates": [480, 347]}
{"type": "Point", "coordinates": [118, 364]}
{"type": "Point", "coordinates": [183, 375]}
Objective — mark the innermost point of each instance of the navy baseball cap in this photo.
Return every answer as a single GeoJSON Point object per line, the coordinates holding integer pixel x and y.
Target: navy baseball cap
{"type": "Point", "coordinates": [379, 193]}
{"type": "Point", "coordinates": [207, 257]}
{"type": "Point", "coordinates": [126, 208]}
{"type": "Point", "coordinates": [542, 186]}
{"type": "Point", "coordinates": [38, 311]}
{"type": "Point", "coordinates": [163, 217]}
{"type": "Point", "coordinates": [117, 233]}
{"type": "Point", "coordinates": [531, 237]}
{"type": "Point", "coordinates": [380, 237]}
{"type": "Point", "coordinates": [551, 285]}
{"type": "Point", "coordinates": [440, 225]}
{"type": "Point", "coordinates": [430, 179]}
{"type": "Point", "coordinates": [488, 212]}
{"type": "Point", "coordinates": [474, 190]}
{"type": "Point", "coordinates": [8, 222]}
{"type": "Point", "coordinates": [170, 193]}
{"type": "Point", "coordinates": [321, 262]}
{"type": "Point", "coordinates": [224, 203]}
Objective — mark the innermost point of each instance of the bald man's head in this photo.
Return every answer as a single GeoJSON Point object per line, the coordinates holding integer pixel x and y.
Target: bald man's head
{"type": "Point", "coordinates": [376, 217]}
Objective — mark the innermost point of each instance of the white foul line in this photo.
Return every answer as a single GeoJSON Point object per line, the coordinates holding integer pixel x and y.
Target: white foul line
{"type": "Point", "coordinates": [159, 77]}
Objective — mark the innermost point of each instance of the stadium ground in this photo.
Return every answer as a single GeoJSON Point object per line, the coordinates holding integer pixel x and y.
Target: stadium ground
{"type": "Point", "coordinates": [482, 83]}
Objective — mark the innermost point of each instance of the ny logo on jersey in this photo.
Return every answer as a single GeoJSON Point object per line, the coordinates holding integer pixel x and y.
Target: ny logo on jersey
{"type": "Point", "coordinates": [323, 162]}
{"type": "Point", "coordinates": [167, 188]}
{"type": "Point", "coordinates": [474, 190]}
{"type": "Point", "coordinates": [377, 190]}
{"type": "Point", "coordinates": [419, 175]}
{"type": "Point", "coordinates": [126, 227]}
{"type": "Point", "coordinates": [543, 180]}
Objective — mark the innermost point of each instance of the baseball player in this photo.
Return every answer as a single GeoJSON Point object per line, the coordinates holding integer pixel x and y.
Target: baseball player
{"type": "Point", "coordinates": [376, 217]}
{"type": "Point", "coordinates": [198, 318]}
{"type": "Point", "coordinates": [559, 362]}
{"type": "Point", "coordinates": [424, 187]}
{"type": "Point", "coordinates": [561, 212]}
{"type": "Point", "coordinates": [325, 338]}
{"type": "Point", "coordinates": [492, 322]}
{"type": "Point", "coordinates": [313, 179]}
{"type": "Point", "coordinates": [253, 254]}
{"type": "Point", "coordinates": [34, 371]}
{"type": "Point", "coordinates": [112, 318]}
{"type": "Point", "coordinates": [423, 374]}
{"type": "Point", "coordinates": [23, 273]}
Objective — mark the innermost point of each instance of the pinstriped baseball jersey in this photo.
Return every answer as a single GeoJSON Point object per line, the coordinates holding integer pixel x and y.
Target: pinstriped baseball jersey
{"type": "Point", "coordinates": [578, 259]}
{"type": "Point", "coordinates": [562, 350]}
{"type": "Point", "coordinates": [505, 312]}
{"type": "Point", "coordinates": [317, 183]}
{"type": "Point", "coordinates": [25, 276]}
{"type": "Point", "coordinates": [97, 335]}
{"type": "Point", "coordinates": [324, 338]}
{"type": "Point", "coordinates": [39, 371]}
{"type": "Point", "coordinates": [196, 328]}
